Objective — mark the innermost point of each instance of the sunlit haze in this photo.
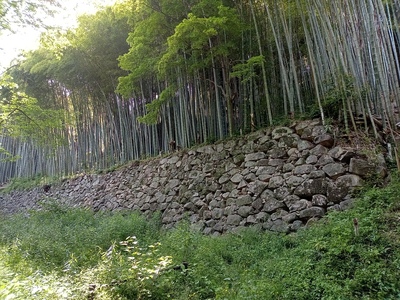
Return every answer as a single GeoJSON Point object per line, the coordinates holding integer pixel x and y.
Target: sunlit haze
{"type": "Point", "coordinates": [11, 45]}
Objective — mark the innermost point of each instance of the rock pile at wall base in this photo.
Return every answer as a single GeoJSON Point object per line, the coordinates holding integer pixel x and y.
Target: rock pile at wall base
{"type": "Point", "coordinates": [277, 179]}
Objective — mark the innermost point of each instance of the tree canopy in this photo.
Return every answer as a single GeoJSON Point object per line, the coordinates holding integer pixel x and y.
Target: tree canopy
{"type": "Point", "coordinates": [28, 12]}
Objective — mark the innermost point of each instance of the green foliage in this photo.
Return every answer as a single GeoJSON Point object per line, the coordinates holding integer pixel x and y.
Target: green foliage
{"type": "Point", "coordinates": [341, 93]}
{"type": "Point", "coordinates": [130, 270]}
{"type": "Point", "coordinates": [203, 36]}
{"type": "Point", "coordinates": [325, 261]}
{"type": "Point", "coordinates": [22, 117]}
{"type": "Point", "coordinates": [76, 235]}
{"type": "Point", "coordinates": [16, 184]}
{"type": "Point", "coordinates": [246, 71]}
{"type": "Point", "coordinates": [153, 108]}
{"type": "Point", "coordinates": [22, 13]}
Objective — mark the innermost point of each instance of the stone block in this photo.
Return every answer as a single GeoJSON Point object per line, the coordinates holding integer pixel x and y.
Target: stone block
{"type": "Point", "coordinates": [234, 220]}
{"type": "Point", "coordinates": [312, 212]}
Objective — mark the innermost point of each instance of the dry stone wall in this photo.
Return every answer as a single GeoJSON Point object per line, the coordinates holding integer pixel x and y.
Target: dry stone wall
{"type": "Point", "coordinates": [278, 179]}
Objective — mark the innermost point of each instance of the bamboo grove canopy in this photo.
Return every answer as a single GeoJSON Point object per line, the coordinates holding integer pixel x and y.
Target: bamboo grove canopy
{"type": "Point", "coordinates": [137, 75]}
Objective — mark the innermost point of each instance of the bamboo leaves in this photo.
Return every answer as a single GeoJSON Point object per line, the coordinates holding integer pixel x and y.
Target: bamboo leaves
{"type": "Point", "coordinates": [22, 117]}
{"type": "Point", "coordinates": [153, 108]}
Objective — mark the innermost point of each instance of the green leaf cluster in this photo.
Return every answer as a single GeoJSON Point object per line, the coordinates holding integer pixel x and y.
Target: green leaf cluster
{"type": "Point", "coordinates": [22, 117]}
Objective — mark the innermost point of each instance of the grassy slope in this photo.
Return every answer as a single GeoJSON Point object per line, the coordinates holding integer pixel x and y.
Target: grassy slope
{"type": "Point", "coordinates": [58, 253]}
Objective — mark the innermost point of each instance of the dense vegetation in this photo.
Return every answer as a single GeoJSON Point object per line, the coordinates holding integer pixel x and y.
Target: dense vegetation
{"type": "Point", "coordinates": [137, 75]}
{"type": "Point", "coordinates": [62, 253]}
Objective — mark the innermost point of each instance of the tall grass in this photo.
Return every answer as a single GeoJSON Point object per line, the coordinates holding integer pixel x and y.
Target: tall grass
{"type": "Point", "coordinates": [65, 254]}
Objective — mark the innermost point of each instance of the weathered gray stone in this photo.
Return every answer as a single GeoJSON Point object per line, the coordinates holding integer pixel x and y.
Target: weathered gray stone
{"type": "Point", "coordinates": [264, 139]}
{"type": "Point", "coordinates": [296, 225]}
{"type": "Point", "coordinates": [262, 162]}
{"type": "Point", "coordinates": [319, 200]}
{"type": "Point", "coordinates": [244, 211]}
{"type": "Point", "coordinates": [337, 192]}
{"type": "Point", "coordinates": [311, 187]}
{"type": "Point", "coordinates": [303, 169]}
{"type": "Point", "coordinates": [318, 130]}
{"type": "Point", "coordinates": [289, 218]}
{"type": "Point", "coordinates": [325, 140]}
{"type": "Point", "coordinates": [294, 181]}
{"type": "Point", "coordinates": [312, 212]}
{"type": "Point", "coordinates": [234, 220]}
{"type": "Point", "coordinates": [311, 160]}
{"type": "Point", "coordinates": [237, 178]}
{"type": "Point", "coordinates": [300, 161]}
{"type": "Point", "coordinates": [266, 194]}
{"type": "Point", "coordinates": [336, 152]}
{"type": "Point", "coordinates": [207, 214]}
{"type": "Point", "coordinates": [257, 187]}
{"type": "Point", "coordinates": [224, 178]}
{"type": "Point", "coordinates": [219, 227]}
{"type": "Point", "coordinates": [200, 203]}
{"type": "Point", "coordinates": [282, 192]}
{"type": "Point", "coordinates": [349, 180]}
{"type": "Point", "coordinates": [214, 203]}
{"type": "Point", "coordinates": [276, 153]}
{"type": "Point", "coordinates": [209, 167]}
{"type": "Point", "coordinates": [272, 205]}
{"type": "Point", "coordinates": [324, 160]}
{"type": "Point", "coordinates": [208, 149]}
{"type": "Point", "coordinates": [262, 216]}
{"type": "Point", "coordinates": [251, 220]}
{"type": "Point", "coordinates": [316, 174]}
{"type": "Point", "coordinates": [268, 170]}
{"type": "Point", "coordinates": [250, 177]}
{"type": "Point", "coordinates": [304, 145]}
{"type": "Point", "coordinates": [298, 205]}
{"type": "Point", "coordinates": [291, 199]}
{"type": "Point", "coordinates": [288, 141]}
{"type": "Point", "coordinates": [242, 184]}
{"type": "Point", "coordinates": [254, 156]}
{"type": "Point", "coordinates": [334, 170]}
{"type": "Point", "coordinates": [258, 204]}
{"type": "Point", "coordinates": [276, 182]}
{"type": "Point", "coordinates": [190, 206]}
{"type": "Point", "coordinates": [287, 167]}
{"type": "Point", "coordinates": [362, 167]}
{"type": "Point", "coordinates": [280, 132]}
{"type": "Point", "coordinates": [293, 152]}
{"type": "Point", "coordinates": [173, 160]}
{"type": "Point", "coordinates": [306, 124]}
{"type": "Point", "coordinates": [217, 213]}
{"type": "Point", "coordinates": [279, 226]}
{"type": "Point", "coordinates": [318, 150]}
{"type": "Point", "coordinates": [238, 159]}
{"type": "Point", "coordinates": [244, 200]}
{"type": "Point", "coordinates": [172, 184]}
{"type": "Point", "coordinates": [342, 154]}
{"type": "Point", "coordinates": [346, 204]}
{"type": "Point", "coordinates": [208, 230]}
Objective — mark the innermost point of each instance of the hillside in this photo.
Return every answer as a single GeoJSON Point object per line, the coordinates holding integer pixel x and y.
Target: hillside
{"type": "Point", "coordinates": [63, 253]}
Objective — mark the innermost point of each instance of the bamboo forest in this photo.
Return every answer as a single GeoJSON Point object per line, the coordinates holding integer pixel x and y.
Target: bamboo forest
{"type": "Point", "coordinates": [137, 75]}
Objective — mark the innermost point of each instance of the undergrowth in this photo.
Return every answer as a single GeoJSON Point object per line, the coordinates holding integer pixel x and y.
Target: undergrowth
{"type": "Point", "coordinates": [63, 253]}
